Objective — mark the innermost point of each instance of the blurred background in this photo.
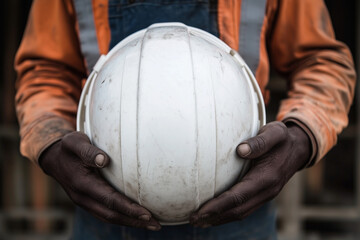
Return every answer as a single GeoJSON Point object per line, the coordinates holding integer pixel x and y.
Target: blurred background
{"type": "Point", "coordinates": [319, 203]}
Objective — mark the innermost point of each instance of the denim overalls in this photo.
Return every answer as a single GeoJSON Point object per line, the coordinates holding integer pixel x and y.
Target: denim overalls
{"type": "Point", "coordinates": [125, 18]}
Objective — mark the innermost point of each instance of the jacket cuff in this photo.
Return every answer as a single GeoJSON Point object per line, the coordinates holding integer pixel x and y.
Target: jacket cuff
{"type": "Point", "coordinates": [42, 134]}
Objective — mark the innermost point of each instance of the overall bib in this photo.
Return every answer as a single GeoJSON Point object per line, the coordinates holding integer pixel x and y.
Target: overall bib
{"type": "Point", "coordinates": [125, 18]}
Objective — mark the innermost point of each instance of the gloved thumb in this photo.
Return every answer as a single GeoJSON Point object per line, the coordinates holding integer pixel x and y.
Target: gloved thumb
{"type": "Point", "coordinates": [268, 137]}
{"type": "Point", "coordinates": [80, 145]}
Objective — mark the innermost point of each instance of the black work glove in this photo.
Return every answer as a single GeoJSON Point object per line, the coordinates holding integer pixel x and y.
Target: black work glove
{"type": "Point", "coordinates": [74, 162]}
{"type": "Point", "coordinates": [277, 153]}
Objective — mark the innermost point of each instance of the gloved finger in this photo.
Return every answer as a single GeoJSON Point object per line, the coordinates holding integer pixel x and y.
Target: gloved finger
{"type": "Point", "coordinates": [269, 136]}
{"type": "Point", "coordinates": [258, 183]}
{"type": "Point", "coordinates": [94, 186]}
{"type": "Point", "coordinates": [80, 144]}
{"type": "Point", "coordinates": [224, 202]}
{"type": "Point", "coordinates": [235, 214]}
{"type": "Point", "coordinates": [244, 210]}
{"type": "Point", "coordinates": [234, 197]}
{"type": "Point", "coordinates": [111, 216]}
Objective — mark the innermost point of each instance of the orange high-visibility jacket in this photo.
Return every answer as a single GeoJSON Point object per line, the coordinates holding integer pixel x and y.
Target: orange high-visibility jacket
{"type": "Point", "coordinates": [63, 38]}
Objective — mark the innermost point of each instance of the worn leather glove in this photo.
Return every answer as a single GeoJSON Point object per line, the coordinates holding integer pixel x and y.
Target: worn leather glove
{"type": "Point", "coordinates": [74, 162]}
{"type": "Point", "coordinates": [277, 153]}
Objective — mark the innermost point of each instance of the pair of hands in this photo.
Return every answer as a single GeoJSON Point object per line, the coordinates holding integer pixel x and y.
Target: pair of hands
{"type": "Point", "coordinates": [277, 153]}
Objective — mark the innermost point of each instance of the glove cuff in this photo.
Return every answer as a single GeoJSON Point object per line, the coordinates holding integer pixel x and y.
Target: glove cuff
{"type": "Point", "coordinates": [313, 143]}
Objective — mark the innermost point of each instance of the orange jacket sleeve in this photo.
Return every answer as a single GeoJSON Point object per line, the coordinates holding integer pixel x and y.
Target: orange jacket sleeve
{"type": "Point", "coordinates": [50, 70]}
{"type": "Point", "coordinates": [320, 70]}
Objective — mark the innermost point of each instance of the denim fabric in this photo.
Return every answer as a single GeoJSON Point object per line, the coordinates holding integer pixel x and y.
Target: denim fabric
{"type": "Point", "coordinates": [258, 226]}
{"type": "Point", "coordinates": [129, 16]}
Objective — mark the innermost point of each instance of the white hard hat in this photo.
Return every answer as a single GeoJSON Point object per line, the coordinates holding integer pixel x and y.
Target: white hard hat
{"type": "Point", "coordinates": [169, 104]}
